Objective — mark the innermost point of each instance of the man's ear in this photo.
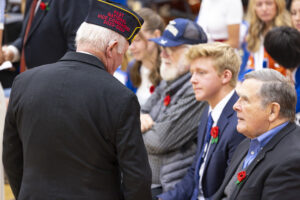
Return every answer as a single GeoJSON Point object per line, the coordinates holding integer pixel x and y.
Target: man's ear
{"type": "Point", "coordinates": [227, 76]}
{"type": "Point", "coordinates": [109, 49]}
{"type": "Point", "coordinates": [274, 111]}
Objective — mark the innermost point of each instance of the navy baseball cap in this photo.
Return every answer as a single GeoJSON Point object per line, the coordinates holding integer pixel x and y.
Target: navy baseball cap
{"type": "Point", "coordinates": [116, 17]}
{"type": "Point", "coordinates": [181, 31]}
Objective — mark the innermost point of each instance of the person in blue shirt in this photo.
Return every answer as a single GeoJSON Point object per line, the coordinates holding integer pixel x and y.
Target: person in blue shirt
{"type": "Point", "coordinates": [266, 164]}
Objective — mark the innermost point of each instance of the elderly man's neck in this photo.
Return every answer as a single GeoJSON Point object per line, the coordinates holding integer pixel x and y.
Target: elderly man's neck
{"type": "Point", "coordinates": [100, 55]}
{"type": "Point", "coordinates": [278, 122]}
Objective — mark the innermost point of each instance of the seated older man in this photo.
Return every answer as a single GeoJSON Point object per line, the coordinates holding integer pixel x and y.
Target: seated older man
{"type": "Point", "coordinates": [170, 117]}
{"type": "Point", "coordinates": [266, 165]}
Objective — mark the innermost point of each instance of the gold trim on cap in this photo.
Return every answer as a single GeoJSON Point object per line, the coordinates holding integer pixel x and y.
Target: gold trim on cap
{"type": "Point", "coordinates": [129, 13]}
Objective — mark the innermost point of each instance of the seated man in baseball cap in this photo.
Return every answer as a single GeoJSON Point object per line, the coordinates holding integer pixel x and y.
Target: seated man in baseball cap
{"type": "Point", "coordinates": [170, 117]}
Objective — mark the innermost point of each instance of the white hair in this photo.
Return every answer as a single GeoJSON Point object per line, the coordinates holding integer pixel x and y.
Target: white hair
{"type": "Point", "coordinates": [98, 37]}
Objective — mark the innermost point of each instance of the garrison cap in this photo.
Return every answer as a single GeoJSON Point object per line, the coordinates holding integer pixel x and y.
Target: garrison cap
{"type": "Point", "coordinates": [116, 17]}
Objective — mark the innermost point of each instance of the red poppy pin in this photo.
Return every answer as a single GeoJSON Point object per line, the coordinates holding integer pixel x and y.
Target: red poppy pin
{"type": "Point", "coordinates": [152, 88]}
{"type": "Point", "coordinates": [167, 100]}
{"type": "Point", "coordinates": [214, 132]}
{"type": "Point", "coordinates": [240, 176]}
{"type": "Point", "coordinates": [44, 6]}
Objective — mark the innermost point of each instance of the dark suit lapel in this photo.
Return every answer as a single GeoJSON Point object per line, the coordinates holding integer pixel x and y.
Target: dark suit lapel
{"type": "Point", "coordinates": [237, 158]}
{"type": "Point", "coordinates": [39, 15]}
{"type": "Point", "coordinates": [269, 146]}
{"type": "Point", "coordinates": [222, 123]}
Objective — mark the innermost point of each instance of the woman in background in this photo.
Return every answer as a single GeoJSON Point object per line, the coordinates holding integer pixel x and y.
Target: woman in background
{"type": "Point", "coordinates": [144, 69]}
{"type": "Point", "coordinates": [263, 15]}
{"type": "Point", "coordinates": [295, 13]}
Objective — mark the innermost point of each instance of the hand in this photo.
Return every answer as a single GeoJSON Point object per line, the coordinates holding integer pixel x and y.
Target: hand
{"type": "Point", "coordinates": [8, 54]}
{"type": "Point", "coordinates": [146, 122]}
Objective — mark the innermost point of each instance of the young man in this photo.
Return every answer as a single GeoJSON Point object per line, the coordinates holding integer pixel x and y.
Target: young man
{"type": "Point", "coordinates": [214, 69]}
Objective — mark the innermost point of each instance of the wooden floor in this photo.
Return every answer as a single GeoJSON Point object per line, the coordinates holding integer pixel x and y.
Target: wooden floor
{"type": "Point", "coordinates": [8, 193]}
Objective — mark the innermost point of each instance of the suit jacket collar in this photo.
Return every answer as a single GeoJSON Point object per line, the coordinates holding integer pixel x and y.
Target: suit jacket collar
{"type": "Point", "coordinates": [259, 158]}
{"type": "Point", "coordinates": [223, 122]}
{"type": "Point", "coordinates": [83, 58]}
{"type": "Point", "coordinates": [39, 15]}
{"type": "Point", "coordinates": [239, 155]}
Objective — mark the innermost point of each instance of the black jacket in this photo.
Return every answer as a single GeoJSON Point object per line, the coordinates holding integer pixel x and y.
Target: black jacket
{"type": "Point", "coordinates": [53, 31]}
{"type": "Point", "coordinates": [273, 174]}
{"type": "Point", "coordinates": [73, 132]}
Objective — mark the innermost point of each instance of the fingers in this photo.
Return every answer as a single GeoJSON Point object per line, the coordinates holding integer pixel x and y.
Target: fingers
{"type": "Point", "coordinates": [8, 54]}
{"type": "Point", "coordinates": [146, 122]}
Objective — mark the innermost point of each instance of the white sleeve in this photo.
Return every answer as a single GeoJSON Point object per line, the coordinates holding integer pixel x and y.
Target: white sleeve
{"type": "Point", "coordinates": [234, 12]}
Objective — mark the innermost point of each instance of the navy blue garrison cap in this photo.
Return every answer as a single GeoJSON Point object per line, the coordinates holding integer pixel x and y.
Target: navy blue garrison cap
{"type": "Point", "coordinates": [116, 17]}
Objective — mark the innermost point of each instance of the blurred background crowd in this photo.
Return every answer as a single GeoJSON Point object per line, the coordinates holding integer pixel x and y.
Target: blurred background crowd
{"type": "Point", "coordinates": [240, 23]}
{"type": "Point", "coordinates": [243, 24]}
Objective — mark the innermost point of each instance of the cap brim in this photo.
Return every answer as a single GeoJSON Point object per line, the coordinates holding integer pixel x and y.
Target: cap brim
{"type": "Point", "coordinates": [165, 42]}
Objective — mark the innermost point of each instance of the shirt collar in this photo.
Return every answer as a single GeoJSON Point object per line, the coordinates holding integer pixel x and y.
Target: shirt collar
{"type": "Point", "coordinates": [217, 111]}
{"type": "Point", "coordinates": [88, 53]}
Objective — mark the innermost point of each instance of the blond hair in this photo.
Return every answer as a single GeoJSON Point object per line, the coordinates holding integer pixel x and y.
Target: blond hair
{"type": "Point", "coordinates": [223, 56]}
{"type": "Point", "coordinates": [257, 27]}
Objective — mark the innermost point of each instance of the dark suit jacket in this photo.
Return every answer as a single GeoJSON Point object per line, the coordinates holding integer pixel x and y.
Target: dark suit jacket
{"type": "Point", "coordinates": [52, 32]}
{"type": "Point", "coordinates": [218, 157]}
{"type": "Point", "coordinates": [274, 173]}
{"type": "Point", "coordinates": [73, 132]}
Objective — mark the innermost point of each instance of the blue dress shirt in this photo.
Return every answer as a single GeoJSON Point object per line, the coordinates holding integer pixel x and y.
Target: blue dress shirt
{"type": "Point", "coordinates": [258, 143]}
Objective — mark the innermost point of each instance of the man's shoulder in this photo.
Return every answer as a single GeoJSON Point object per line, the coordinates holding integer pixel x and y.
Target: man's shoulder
{"type": "Point", "coordinates": [291, 137]}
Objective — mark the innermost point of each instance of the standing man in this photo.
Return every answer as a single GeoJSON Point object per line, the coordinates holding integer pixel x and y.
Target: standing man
{"type": "Point", "coordinates": [48, 32]}
{"type": "Point", "coordinates": [266, 165]}
{"type": "Point", "coordinates": [170, 117]}
{"type": "Point", "coordinates": [72, 130]}
{"type": "Point", "coordinates": [214, 69]}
